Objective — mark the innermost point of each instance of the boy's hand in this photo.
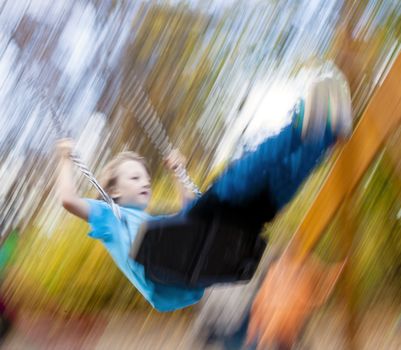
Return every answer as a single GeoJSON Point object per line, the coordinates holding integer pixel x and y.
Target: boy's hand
{"type": "Point", "coordinates": [174, 160]}
{"type": "Point", "coordinates": [64, 148]}
{"type": "Point", "coordinates": [66, 187]}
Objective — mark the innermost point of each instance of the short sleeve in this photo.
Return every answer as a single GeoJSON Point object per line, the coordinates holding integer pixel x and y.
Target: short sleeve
{"type": "Point", "coordinates": [101, 220]}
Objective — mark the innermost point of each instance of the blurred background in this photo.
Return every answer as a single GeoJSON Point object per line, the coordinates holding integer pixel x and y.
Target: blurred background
{"type": "Point", "coordinates": [221, 75]}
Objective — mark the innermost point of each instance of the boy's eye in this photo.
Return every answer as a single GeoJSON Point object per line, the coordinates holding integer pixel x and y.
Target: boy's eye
{"type": "Point", "coordinates": [135, 178]}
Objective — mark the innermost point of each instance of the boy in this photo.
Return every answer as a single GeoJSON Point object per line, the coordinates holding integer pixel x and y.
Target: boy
{"type": "Point", "coordinates": [251, 190]}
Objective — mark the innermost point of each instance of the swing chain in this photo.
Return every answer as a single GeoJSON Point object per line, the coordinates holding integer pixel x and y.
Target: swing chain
{"type": "Point", "coordinates": [149, 121]}
{"type": "Point", "coordinates": [75, 158]}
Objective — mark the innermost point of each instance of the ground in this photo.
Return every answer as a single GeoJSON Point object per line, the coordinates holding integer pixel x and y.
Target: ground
{"type": "Point", "coordinates": [380, 329]}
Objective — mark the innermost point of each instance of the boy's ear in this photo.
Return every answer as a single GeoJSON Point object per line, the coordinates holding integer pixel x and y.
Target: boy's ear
{"type": "Point", "coordinates": [115, 193]}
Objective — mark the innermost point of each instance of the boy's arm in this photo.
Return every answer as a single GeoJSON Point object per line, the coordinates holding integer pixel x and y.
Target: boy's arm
{"type": "Point", "coordinates": [185, 194]}
{"type": "Point", "coordinates": [174, 159]}
{"type": "Point", "coordinates": [66, 188]}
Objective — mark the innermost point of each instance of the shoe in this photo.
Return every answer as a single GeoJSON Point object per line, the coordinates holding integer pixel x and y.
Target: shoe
{"type": "Point", "coordinates": [327, 105]}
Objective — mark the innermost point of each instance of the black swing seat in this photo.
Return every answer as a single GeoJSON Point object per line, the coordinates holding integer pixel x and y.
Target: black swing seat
{"type": "Point", "coordinates": [199, 248]}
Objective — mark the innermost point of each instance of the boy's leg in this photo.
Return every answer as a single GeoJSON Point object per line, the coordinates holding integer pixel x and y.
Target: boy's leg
{"type": "Point", "coordinates": [281, 163]}
{"type": "Point", "coordinates": [287, 175]}
{"type": "Point", "coordinates": [243, 185]}
{"type": "Point", "coordinates": [234, 182]}
{"type": "Point", "coordinates": [278, 166]}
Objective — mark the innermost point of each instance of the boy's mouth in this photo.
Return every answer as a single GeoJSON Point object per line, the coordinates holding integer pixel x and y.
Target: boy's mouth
{"type": "Point", "coordinates": [144, 193]}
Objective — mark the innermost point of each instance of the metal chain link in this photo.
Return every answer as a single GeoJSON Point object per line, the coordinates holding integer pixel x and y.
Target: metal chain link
{"type": "Point", "coordinates": [75, 158]}
{"type": "Point", "coordinates": [141, 106]}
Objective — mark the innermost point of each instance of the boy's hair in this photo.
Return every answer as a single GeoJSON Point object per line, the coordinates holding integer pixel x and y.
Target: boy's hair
{"type": "Point", "coordinates": [108, 176]}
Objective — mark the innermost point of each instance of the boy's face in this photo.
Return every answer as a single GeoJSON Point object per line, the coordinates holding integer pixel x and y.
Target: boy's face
{"type": "Point", "coordinates": [133, 184]}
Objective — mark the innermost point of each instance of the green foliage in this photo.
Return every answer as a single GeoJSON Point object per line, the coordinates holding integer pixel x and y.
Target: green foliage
{"type": "Point", "coordinates": [67, 272]}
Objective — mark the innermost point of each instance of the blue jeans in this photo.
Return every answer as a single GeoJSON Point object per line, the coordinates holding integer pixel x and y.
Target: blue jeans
{"type": "Point", "coordinates": [277, 168]}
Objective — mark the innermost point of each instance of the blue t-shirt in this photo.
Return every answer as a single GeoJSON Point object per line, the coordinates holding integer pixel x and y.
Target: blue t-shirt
{"type": "Point", "coordinates": [117, 240]}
